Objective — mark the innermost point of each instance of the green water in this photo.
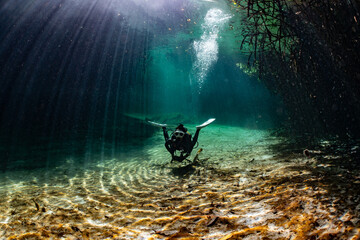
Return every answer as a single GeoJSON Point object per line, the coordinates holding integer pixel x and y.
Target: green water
{"type": "Point", "coordinates": [175, 63]}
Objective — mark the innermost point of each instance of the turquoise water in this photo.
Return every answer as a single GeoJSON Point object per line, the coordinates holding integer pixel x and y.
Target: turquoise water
{"type": "Point", "coordinates": [75, 75]}
{"type": "Point", "coordinates": [81, 78]}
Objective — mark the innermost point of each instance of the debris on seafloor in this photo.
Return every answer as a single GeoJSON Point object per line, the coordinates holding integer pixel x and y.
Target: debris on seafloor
{"type": "Point", "coordinates": [243, 233]}
{"type": "Point", "coordinates": [182, 233]}
{"type": "Point", "coordinates": [306, 153]}
{"type": "Point", "coordinates": [162, 233]}
{"type": "Point", "coordinates": [212, 221]}
{"type": "Point", "coordinates": [76, 229]}
{"type": "Point", "coordinates": [36, 205]}
{"type": "Point", "coordinates": [271, 199]}
{"type": "Point", "coordinates": [197, 156]}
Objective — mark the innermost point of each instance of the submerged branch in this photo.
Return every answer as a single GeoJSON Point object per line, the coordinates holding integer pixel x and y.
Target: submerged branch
{"type": "Point", "coordinates": [307, 51]}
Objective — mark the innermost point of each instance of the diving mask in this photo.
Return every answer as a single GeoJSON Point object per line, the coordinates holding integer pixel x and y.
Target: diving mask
{"type": "Point", "coordinates": [179, 134]}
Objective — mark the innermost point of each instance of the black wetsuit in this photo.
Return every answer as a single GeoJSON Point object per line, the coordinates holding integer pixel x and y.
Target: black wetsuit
{"type": "Point", "coordinates": [185, 145]}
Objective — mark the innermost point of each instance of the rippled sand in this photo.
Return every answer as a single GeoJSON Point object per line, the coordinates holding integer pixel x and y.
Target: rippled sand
{"type": "Point", "coordinates": [239, 189]}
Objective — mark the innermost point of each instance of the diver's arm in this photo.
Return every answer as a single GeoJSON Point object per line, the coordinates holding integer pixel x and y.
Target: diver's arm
{"type": "Point", "coordinates": [169, 147]}
{"type": "Point", "coordinates": [195, 138]}
{"type": "Point", "coordinates": [168, 143]}
{"type": "Point", "coordinates": [166, 135]}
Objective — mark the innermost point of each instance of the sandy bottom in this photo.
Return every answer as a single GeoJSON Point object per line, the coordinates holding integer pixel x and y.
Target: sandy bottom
{"type": "Point", "coordinates": [239, 189]}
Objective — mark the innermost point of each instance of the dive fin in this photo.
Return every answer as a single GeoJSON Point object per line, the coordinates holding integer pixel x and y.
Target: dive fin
{"type": "Point", "coordinates": [205, 123]}
{"type": "Point", "coordinates": [157, 124]}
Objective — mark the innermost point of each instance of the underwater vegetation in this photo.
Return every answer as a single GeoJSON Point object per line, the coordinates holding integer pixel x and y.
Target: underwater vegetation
{"type": "Point", "coordinates": [308, 53]}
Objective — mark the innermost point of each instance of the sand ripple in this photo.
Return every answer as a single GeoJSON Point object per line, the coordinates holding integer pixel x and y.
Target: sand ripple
{"type": "Point", "coordinates": [265, 198]}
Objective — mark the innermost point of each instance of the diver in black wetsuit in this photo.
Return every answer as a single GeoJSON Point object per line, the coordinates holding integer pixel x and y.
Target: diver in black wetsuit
{"type": "Point", "coordinates": [180, 141]}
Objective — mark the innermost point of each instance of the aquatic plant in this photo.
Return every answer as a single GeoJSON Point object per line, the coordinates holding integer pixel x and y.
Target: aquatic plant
{"type": "Point", "coordinates": [307, 52]}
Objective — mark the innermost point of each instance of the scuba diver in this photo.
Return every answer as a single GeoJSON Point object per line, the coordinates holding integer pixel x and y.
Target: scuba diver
{"type": "Point", "coordinates": [180, 140]}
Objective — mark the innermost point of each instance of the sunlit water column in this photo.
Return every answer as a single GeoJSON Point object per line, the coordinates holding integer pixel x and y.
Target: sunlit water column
{"type": "Point", "coordinates": [206, 49]}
